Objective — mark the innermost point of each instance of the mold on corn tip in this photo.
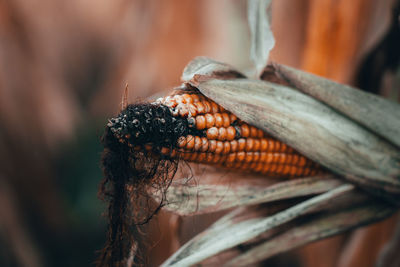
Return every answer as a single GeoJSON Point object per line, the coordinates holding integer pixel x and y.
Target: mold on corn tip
{"type": "Point", "coordinates": [141, 124]}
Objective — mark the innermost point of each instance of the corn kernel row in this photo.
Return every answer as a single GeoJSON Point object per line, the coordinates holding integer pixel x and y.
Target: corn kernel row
{"type": "Point", "coordinates": [269, 163]}
{"type": "Point", "coordinates": [239, 158]}
{"type": "Point", "coordinates": [292, 165]}
{"type": "Point", "coordinates": [204, 144]}
{"type": "Point", "coordinates": [214, 119]}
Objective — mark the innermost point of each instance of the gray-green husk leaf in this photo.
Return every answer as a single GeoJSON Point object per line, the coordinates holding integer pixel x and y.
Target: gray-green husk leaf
{"type": "Point", "coordinates": [227, 233]}
{"type": "Point", "coordinates": [212, 195]}
{"type": "Point", "coordinates": [379, 115]}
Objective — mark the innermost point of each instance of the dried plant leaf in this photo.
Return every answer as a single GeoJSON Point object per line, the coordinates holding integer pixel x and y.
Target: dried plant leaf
{"type": "Point", "coordinates": [314, 129]}
{"type": "Point", "coordinates": [226, 233]}
{"type": "Point", "coordinates": [204, 68]}
{"type": "Point", "coordinates": [262, 39]}
{"type": "Point", "coordinates": [378, 114]}
{"type": "Point", "coordinates": [323, 226]}
{"type": "Point", "coordinates": [209, 196]}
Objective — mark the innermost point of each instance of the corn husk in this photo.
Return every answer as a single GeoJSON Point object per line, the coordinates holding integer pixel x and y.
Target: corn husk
{"type": "Point", "coordinates": [379, 115]}
{"type": "Point", "coordinates": [226, 233]}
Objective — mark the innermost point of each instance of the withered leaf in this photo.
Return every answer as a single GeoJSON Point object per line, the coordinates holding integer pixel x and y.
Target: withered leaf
{"type": "Point", "coordinates": [211, 195]}
{"type": "Point", "coordinates": [226, 233]}
{"type": "Point", "coordinates": [204, 68]}
{"type": "Point", "coordinates": [262, 39]}
{"type": "Point", "coordinates": [378, 114]}
{"type": "Point", "coordinates": [323, 226]}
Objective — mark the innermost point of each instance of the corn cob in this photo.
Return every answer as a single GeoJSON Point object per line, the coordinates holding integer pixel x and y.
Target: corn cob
{"type": "Point", "coordinates": [144, 143]}
{"type": "Point", "coordinates": [216, 136]}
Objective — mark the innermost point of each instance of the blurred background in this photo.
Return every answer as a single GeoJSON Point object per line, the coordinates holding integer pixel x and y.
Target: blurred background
{"type": "Point", "coordinates": [63, 68]}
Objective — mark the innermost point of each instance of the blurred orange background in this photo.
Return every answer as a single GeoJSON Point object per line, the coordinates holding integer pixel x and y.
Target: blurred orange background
{"type": "Point", "coordinates": [63, 68]}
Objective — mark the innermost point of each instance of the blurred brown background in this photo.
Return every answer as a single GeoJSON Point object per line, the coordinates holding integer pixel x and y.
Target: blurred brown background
{"type": "Point", "coordinates": [63, 67]}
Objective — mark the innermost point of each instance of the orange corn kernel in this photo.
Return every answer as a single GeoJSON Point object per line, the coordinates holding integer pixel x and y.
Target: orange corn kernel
{"type": "Point", "coordinates": [200, 122]}
{"type": "Point", "coordinates": [210, 120]}
{"type": "Point", "coordinates": [212, 133]}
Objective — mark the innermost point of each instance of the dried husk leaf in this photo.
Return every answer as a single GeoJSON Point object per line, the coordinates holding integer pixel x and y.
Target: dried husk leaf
{"type": "Point", "coordinates": [262, 39]}
{"type": "Point", "coordinates": [380, 115]}
{"type": "Point", "coordinates": [212, 195]}
{"type": "Point", "coordinates": [204, 68]}
{"type": "Point", "coordinates": [226, 233]}
{"type": "Point", "coordinates": [314, 129]}
{"type": "Point", "coordinates": [352, 199]}
{"type": "Point", "coordinates": [325, 225]}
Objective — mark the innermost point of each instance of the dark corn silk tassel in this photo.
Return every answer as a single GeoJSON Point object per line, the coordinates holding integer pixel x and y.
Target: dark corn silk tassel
{"type": "Point", "coordinates": [142, 147]}
{"type": "Point", "coordinates": [132, 161]}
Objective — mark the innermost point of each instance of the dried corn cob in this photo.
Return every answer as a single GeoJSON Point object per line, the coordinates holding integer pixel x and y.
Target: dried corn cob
{"type": "Point", "coordinates": [209, 134]}
{"type": "Point", "coordinates": [142, 147]}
